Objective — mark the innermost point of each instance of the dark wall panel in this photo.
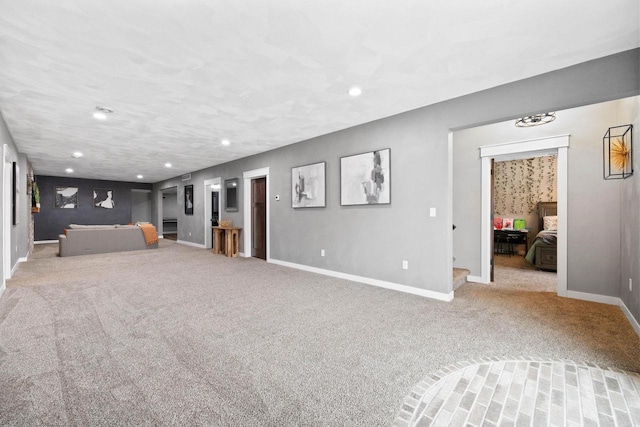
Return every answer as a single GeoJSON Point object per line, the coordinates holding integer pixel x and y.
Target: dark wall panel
{"type": "Point", "coordinates": [51, 221]}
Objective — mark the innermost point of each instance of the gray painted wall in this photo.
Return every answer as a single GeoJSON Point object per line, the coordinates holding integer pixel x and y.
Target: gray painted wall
{"type": "Point", "coordinates": [630, 217]}
{"type": "Point", "coordinates": [19, 232]}
{"type": "Point", "coordinates": [593, 203]}
{"type": "Point", "coordinates": [140, 206]}
{"type": "Point", "coordinates": [372, 241]}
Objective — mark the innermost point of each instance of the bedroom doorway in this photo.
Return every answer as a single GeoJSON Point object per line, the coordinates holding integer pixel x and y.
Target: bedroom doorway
{"type": "Point", "coordinates": [523, 150]}
{"type": "Point", "coordinates": [523, 194]}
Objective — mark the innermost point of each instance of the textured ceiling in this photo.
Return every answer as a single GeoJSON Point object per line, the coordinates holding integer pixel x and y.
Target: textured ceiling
{"type": "Point", "coordinates": [183, 74]}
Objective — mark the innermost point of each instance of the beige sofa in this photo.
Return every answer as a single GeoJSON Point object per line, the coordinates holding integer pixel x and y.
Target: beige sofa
{"type": "Point", "coordinates": [87, 239]}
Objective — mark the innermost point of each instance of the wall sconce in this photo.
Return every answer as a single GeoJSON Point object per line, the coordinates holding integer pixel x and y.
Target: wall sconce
{"type": "Point", "coordinates": [617, 146]}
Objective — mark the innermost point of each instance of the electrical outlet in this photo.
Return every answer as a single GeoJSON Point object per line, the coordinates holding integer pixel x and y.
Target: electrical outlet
{"type": "Point", "coordinates": [405, 265]}
{"type": "Point", "coordinates": [630, 284]}
{"type": "Point", "coordinates": [321, 252]}
{"type": "Point", "coordinates": [432, 212]}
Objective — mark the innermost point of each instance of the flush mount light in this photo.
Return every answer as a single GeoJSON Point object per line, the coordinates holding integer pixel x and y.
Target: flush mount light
{"type": "Point", "coordinates": [167, 165]}
{"type": "Point", "coordinates": [140, 176]}
{"type": "Point", "coordinates": [355, 91]}
{"type": "Point", "coordinates": [101, 113]}
{"type": "Point", "coordinates": [69, 170]}
{"type": "Point", "coordinates": [76, 155]}
{"type": "Point", "coordinates": [225, 142]}
{"type": "Point", "coordinates": [535, 120]}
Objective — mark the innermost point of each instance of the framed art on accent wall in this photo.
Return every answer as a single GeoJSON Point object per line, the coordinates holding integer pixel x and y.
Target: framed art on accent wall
{"type": "Point", "coordinates": [308, 185]}
{"type": "Point", "coordinates": [365, 179]}
{"type": "Point", "coordinates": [65, 197]}
{"type": "Point", "coordinates": [188, 200]}
{"type": "Point", "coordinates": [103, 198]}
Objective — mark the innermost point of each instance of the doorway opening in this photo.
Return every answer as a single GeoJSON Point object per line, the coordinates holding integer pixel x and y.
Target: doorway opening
{"type": "Point", "coordinates": [523, 198]}
{"type": "Point", "coordinates": [212, 202]}
{"type": "Point", "coordinates": [248, 177]}
{"type": "Point", "coordinates": [169, 212]}
{"type": "Point", "coordinates": [517, 150]}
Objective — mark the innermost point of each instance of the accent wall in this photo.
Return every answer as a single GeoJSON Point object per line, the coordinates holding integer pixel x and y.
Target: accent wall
{"type": "Point", "coordinates": [51, 221]}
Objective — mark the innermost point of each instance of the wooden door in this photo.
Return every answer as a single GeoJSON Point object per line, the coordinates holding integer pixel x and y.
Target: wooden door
{"type": "Point", "coordinates": [491, 217]}
{"type": "Point", "coordinates": [259, 218]}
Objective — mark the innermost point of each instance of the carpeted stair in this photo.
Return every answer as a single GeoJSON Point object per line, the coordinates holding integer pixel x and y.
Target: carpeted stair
{"type": "Point", "coordinates": [459, 277]}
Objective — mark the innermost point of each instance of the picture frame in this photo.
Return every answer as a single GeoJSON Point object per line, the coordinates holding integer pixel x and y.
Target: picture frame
{"type": "Point", "coordinates": [188, 199]}
{"type": "Point", "coordinates": [103, 198]}
{"type": "Point", "coordinates": [365, 179]}
{"type": "Point", "coordinates": [308, 186]}
{"type": "Point", "coordinates": [65, 197]}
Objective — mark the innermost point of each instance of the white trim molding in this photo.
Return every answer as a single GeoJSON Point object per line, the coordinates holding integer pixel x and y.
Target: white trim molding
{"type": "Point", "coordinates": [247, 176]}
{"type": "Point", "coordinates": [585, 296]}
{"type": "Point", "coordinates": [476, 279]}
{"type": "Point", "coordinates": [368, 281]}
{"type": "Point", "coordinates": [44, 242]}
{"type": "Point", "coordinates": [2, 288]}
{"type": "Point", "coordinates": [632, 320]}
{"type": "Point", "coordinates": [195, 245]}
{"type": "Point", "coordinates": [534, 147]}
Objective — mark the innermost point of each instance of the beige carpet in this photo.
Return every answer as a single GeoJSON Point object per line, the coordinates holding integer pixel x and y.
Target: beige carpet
{"type": "Point", "coordinates": [179, 336]}
{"type": "Point", "coordinates": [515, 273]}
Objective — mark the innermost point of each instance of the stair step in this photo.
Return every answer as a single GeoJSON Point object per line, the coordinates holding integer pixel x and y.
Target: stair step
{"type": "Point", "coordinates": [459, 277]}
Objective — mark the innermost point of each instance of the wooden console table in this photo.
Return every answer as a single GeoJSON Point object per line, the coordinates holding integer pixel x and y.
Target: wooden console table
{"type": "Point", "coordinates": [225, 240]}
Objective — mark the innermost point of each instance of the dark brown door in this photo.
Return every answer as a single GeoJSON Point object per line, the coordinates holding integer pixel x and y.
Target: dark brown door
{"type": "Point", "coordinates": [491, 217]}
{"type": "Point", "coordinates": [259, 218]}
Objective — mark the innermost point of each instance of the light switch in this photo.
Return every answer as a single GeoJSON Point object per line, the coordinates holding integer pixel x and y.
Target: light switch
{"type": "Point", "coordinates": [432, 212]}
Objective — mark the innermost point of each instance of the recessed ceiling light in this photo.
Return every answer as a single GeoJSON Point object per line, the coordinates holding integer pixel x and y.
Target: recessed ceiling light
{"type": "Point", "coordinates": [355, 91]}
{"type": "Point", "coordinates": [225, 142]}
{"type": "Point", "coordinates": [69, 170]}
{"type": "Point", "coordinates": [101, 113]}
{"type": "Point", "coordinates": [140, 176]}
{"type": "Point", "coordinates": [167, 165]}
{"type": "Point", "coordinates": [76, 155]}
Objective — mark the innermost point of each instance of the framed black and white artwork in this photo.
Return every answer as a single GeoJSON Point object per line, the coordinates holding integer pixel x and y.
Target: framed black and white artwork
{"type": "Point", "coordinates": [103, 198]}
{"type": "Point", "coordinates": [365, 179]}
{"type": "Point", "coordinates": [308, 186]}
{"type": "Point", "coordinates": [65, 197]}
{"type": "Point", "coordinates": [188, 200]}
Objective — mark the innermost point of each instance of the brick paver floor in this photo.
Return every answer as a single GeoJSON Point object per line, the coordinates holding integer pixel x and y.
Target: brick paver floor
{"type": "Point", "coordinates": [523, 392]}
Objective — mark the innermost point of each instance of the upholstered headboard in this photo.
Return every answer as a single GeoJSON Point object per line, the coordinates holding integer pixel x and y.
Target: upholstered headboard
{"type": "Point", "coordinates": [546, 209]}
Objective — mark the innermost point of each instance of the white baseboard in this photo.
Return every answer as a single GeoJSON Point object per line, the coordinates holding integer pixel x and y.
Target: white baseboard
{"type": "Point", "coordinates": [2, 288]}
{"type": "Point", "coordinates": [604, 299]}
{"type": "Point", "coordinates": [476, 279]}
{"type": "Point", "coordinates": [195, 245]}
{"type": "Point", "coordinates": [24, 259]}
{"type": "Point", "coordinates": [368, 281]}
{"type": "Point", "coordinates": [44, 242]}
{"type": "Point", "coordinates": [243, 255]}
{"type": "Point", "coordinates": [160, 236]}
{"type": "Point", "coordinates": [632, 320]}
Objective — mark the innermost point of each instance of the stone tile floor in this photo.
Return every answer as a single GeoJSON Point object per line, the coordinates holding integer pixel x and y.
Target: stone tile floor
{"type": "Point", "coordinates": [523, 392]}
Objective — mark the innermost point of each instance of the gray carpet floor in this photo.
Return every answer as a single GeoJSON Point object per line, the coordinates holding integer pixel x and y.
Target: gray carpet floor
{"type": "Point", "coordinates": [179, 336]}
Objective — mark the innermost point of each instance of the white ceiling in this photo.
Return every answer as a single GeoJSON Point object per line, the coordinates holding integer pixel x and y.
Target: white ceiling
{"type": "Point", "coordinates": [183, 74]}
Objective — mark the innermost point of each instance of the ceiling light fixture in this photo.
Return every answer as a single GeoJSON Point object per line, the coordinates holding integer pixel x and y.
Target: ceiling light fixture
{"type": "Point", "coordinates": [140, 176]}
{"type": "Point", "coordinates": [535, 120]}
{"type": "Point", "coordinates": [101, 113]}
{"type": "Point", "coordinates": [69, 170]}
{"type": "Point", "coordinates": [167, 165]}
{"type": "Point", "coordinates": [355, 91]}
{"type": "Point", "coordinates": [225, 142]}
{"type": "Point", "coordinates": [76, 155]}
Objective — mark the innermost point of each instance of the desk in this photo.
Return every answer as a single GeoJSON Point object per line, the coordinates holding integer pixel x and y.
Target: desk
{"type": "Point", "coordinates": [510, 238]}
{"type": "Point", "coordinates": [225, 240]}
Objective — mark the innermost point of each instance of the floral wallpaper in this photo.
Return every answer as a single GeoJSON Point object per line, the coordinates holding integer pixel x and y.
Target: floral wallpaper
{"type": "Point", "coordinates": [521, 184]}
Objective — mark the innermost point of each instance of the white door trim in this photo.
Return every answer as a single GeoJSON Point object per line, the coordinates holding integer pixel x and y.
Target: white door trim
{"type": "Point", "coordinates": [558, 144]}
{"type": "Point", "coordinates": [7, 159]}
{"type": "Point", "coordinates": [207, 208]}
{"type": "Point", "coordinates": [247, 177]}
